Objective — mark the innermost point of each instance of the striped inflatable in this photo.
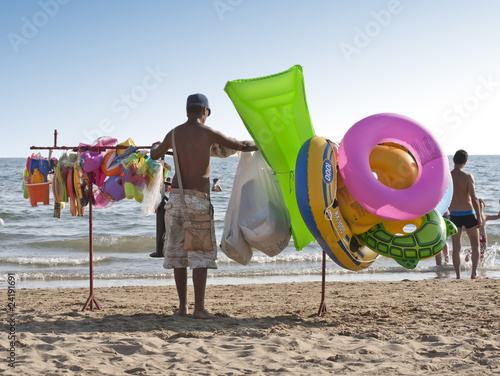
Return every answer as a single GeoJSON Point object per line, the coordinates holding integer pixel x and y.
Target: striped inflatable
{"type": "Point", "coordinates": [315, 187]}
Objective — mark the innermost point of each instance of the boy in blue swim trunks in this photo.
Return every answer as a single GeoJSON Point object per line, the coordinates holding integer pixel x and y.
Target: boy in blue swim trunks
{"type": "Point", "coordinates": [463, 209]}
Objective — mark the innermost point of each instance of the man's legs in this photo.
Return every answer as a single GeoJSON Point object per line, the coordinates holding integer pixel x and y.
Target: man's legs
{"type": "Point", "coordinates": [473, 234]}
{"type": "Point", "coordinates": [457, 247]}
{"type": "Point", "coordinates": [200, 283]}
{"type": "Point", "coordinates": [180, 276]}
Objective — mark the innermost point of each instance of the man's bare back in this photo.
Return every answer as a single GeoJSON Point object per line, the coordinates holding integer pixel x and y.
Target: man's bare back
{"type": "Point", "coordinates": [463, 191]}
{"type": "Point", "coordinates": [193, 141]}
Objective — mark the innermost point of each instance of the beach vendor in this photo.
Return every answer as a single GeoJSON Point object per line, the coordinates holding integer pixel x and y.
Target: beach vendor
{"type": "Point", "coordinates": [189, 239]}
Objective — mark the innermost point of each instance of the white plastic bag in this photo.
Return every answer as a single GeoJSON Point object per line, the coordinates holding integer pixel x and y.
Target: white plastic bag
{"type": "Point", "coordinates": [256, 217]}
{"type": "Point", "coordinates": [233, 244]}
{"type": "Point", "coordinates": [264, 219]}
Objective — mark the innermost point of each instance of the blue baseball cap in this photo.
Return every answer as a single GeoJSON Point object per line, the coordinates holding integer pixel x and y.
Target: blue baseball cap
{"type": "Point", "coordinates": [198, 100]}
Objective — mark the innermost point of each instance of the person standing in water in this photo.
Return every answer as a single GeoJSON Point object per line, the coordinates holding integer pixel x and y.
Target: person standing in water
{"type": "Point", "coordinates": [464, 212]}
{"type": "Point", "coordinates": [483, 238]}
{"type": "Point", "coordinates": [216, 187]}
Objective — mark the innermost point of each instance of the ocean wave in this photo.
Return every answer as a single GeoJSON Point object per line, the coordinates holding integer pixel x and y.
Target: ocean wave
{"type": "Point", "coordinates": [52, 261]}
{"type": "Point", "coordinates": [285, 257]}
{"type": "Point", "coordinates": [391, 273]}
{"type": "Point", "coordinates": [123, 244]}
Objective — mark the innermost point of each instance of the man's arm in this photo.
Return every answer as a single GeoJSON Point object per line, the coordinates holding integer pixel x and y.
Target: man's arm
{"type": "Point", "coordinates": [159, 149]}
{"type": "Point", "coordinates": [475, 202]}
{"type": "Point", "coordinates": [232, 143]}
{"type": "Point", "coordinates": [492, 217]}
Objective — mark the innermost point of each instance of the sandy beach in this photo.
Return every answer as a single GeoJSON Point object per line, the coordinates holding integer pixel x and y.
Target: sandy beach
{"type": "Point", "coordinates": [431, 327]}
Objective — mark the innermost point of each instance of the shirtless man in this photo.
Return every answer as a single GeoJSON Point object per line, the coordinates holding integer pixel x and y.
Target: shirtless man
{"type": "Point", "coordinates": [463, 209]}
{"type": "Point", "coordinates": [193, 141]}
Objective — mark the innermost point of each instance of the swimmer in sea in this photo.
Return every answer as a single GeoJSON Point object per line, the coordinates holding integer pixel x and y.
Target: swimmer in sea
{"type": "Point", "coordinates": [216, 187]}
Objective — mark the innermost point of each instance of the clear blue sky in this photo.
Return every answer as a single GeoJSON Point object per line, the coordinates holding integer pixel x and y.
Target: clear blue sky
{"type": "Point", "coordinates": [124, 68]}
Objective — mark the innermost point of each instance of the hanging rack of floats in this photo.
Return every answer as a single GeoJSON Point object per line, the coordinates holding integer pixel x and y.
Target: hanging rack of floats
{"type": "Point", "coordinates": [91, 301]}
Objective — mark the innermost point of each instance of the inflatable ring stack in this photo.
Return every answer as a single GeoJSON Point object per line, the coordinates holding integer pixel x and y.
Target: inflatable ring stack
{"type": "Point", "coordinates": [389, 201]}
{"type": "Point", "coordinates": [316, 187]}
{"type": "Point", "coordinates": [386, 202]}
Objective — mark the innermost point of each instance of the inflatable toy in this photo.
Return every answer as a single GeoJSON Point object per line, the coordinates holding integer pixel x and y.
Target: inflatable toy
{"type": "Point", "coordinates": [100, 201]}
{"type": "Point", "coordinates": [110, 165]}
{"type": "Point", "coordinates": [445, 202]}
{"type": "Point", "coordinates": [91, 161]}
{"type": "Point", "coordinates": [128, 142]}
{"type": "Point", "coordinates": [25, 179]}
{"type": "Point", "coordinates": [360, 220]}
{"type": "Point", "coordinates": [426, 241]}
{"type": "Point", "coordinates": [394, 167]}
{"type": "Point", "coordinates": [377, 198]}
{"type": "Point", "coordinates": [274, 111]}
{"type": "Point", "coordinates": [315, 186]}
{"type": "Point", "coordinates": [114, 187]}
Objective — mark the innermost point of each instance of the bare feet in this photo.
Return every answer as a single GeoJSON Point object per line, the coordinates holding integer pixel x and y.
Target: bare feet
{"type": "Point", "coordinates": [475, 276]}
{"type": "Point", "coordinates": [202, 314]}
{"type": "Point", "coordinates": [182, 311]}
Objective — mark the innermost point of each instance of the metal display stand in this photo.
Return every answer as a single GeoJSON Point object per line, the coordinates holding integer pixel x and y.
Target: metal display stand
{"type": "Point", "coordinates": [322, 306]}
{"type": "Point", "coordinates": [91, 301]}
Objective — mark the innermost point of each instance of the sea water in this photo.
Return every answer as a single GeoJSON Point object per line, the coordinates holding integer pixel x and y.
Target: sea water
{"type": "Point", "coordinates": [48, 252]}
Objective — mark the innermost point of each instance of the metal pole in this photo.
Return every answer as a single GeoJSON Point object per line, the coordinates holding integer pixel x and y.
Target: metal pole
{"type": "Point", "coordinates": [91, 299]}
{"type": "Point", "coordinates": [322, 307]}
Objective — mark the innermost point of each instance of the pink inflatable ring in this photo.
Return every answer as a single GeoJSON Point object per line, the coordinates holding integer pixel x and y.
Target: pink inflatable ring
{"type": "Point", "coordinates": [394, 204]}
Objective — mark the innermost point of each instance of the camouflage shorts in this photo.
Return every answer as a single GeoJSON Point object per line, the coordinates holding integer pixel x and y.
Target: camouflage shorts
{"type": "Point", "coordinates": [173, 248]}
